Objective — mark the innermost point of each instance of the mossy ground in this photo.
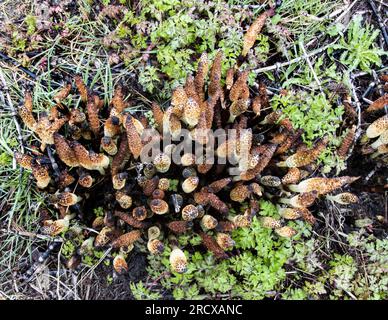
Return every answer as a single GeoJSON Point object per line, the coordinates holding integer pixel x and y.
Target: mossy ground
{"type": "Point", "coordinates": [150, 47]}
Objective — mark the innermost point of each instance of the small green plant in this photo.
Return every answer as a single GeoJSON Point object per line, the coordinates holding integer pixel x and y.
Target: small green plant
{"type": "Point", "coordinates": [359, 50]}
{"type": "Point", "coordinates": [148, 78]}
{"type": "Point", "coordinates": [30, 20]}
{"type": "Point", "coordinates": [140, 292]}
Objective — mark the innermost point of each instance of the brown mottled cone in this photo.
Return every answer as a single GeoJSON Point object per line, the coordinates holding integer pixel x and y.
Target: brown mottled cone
{"type": "Point", "coordinates": [205, 198]}
{"type": "Point", "coordinates": [158, 115]}
{"type": "Point", "coordinates": [27, 116]}
{"type": "Point", "coordinates": [240, 193]}
{"type": "Point", "coordinates": [288, 142]}
{"type": "Point", "coordinates": [208, 222]}
{"type": "Point", "coordinates": [150, 185]}
{"type": "Point", "coordinates": [98, 102]}
{"type": "Point", "coordinates": [121, 156]}
{"type": "Point", "coordinates": [63, 93]}
{"type": "Point", "coordinates": [269, 222]}
{"type": "Point", "coordinates": [119, 180]}
{"type": "Point", "coordinates": [127, 218]}
{"type": "Point", "coordinates": [158, 194]}
{"type": "Point", "coordinates": [218, 185]}
{"type": "Point", "coordinates": [270, 181]}
{"type": "Point", "coordinates": [305, 157]}
{"type": "Point", "coordinates": [191, 112]}
{"type": "Point", "coordinates": [212, 245]}
{"type": "Point", "coordinates": [112, 126]}
{"type": "Point", "coordinates": [118, 99]}
{"type": "Point", "coordinates": [199, 80]}
{"type": "Point", "coordinates": [208, 107]}
{"type": "Point", "coordinates": [188, 159]}
{"type": "Point", "coordinates": [175, 125]}
{"type": "Point", "coordinates": [263, 95]}
{"type": "Point", "coordinates": [103, 237]}
{"type": "Point", "coordinates": [41, 175]}
{"type": "Point", "coordinates": [108, 145]}
{"type": "Point", "coordinates": [227, 148]}
{"type": "Point", "coordinates": [159, 206]}
{"type": "Point", "coordinates": [79, 83]}
{"type": "Point", "coordinates": [256, 106]}
{"type": "Point", "coordinates": [322, 185]}
{"type": "Point", "coordinates": [155, 246]}
{"type": "Point", "coordinates": [215, 75]}
{"type": "Point", "coordinates": [92, 114]}
{"type": "Point", "coordinates": [189, 212]}
{"type": "Point", "coordinates": [164, 184]}
{"type": "Point", "coordinates": [378, 104]}
{"type": "Point", "coordinates": [344, 198]}
{"type": "Point", "coordinates": [253, 31]}
{"type": "Point", "coordinates": [291, 213]}
{"type": "Point", "coordinates": [64, 151]}
{"type": "Point", "coordinates": [266, 152]}
{"type": "Point", "coordinates": [286, 232]}
{"type": "Point", "coordinates": [65, 199]}
{"type": "Point", "coordinates": [225, 241]}
{"type": "Point", "coordinates": [279, 137]}
{"type": "Point", "coordinates": [225, 226]}
{"type": "Point", "coordinates": [76, 116]}
{"type": "Point", "coordinates": [350, 111]}
{"type": "Point", "coordinates": [179, 227]}
{"type": "Point", "coordinates": [377, 127]}
{"type": "Point", "coordinates": [89, 160]}
{"type": "Point", "coordinates": [204, 168]}
{"type": "Point", "coordinates": [126, 239]}
{"type": "Point", "coordinates": [179, 100]}
{"type": "Point", "coordinates": [53, 113]}
{"type": "Point", "coordinates": [98, 223]}
{"type": "Point", "coordinates": [140, 213]}
{"type": "Point", "coordinates": [304, 200]}
{"type": "Point", "coordinates": [292, 176]}
{"type": "Point", "coordinates": [307, 215]}
{"type": "Point", "coordinates": [24, 160]}
{"type": "Point", "coordinates": [134, 140]}
{"type": "Point", "coordinates": [119, 264]}
{"type": "Point", "coordinates": [229, 78]}
{"type": "Point", "coordinates": [162, 162]}
{"type": "Point", "coordinates": [238, 90]}
{"type": "Point", "coordinates": [25, 112]}
{"type": "Point", "coordinates": [45, 129]}
{"type": "Point", "coordinates": [199, 133]}
{"type": "Point", "coordinates": [346, 143]}
{"type": "Point", "coordinates": [190, 184]}
{"type": "Point", "coordinates": [28, 101]}
{"type": "Point", "coordinates": [238, 107]}
{"type": "Point", "coordinates": [65, 179]}
{"type": "Point", "coordinates": [53, 228]}
{"type": "Point", "coordinates": [124, 200]}
{"type": "Point", "coordinates": [178, 260]}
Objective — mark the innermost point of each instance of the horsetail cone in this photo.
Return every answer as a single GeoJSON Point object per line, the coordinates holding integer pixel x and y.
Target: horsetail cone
{"type": "Point", "coordinates": [178, 261]}
{"type": "Point", "coordinates": [286, 232]}
{"type": "Point", "coordinates": [344, 198]}
{"type": "Point", "coordinates": [377, 127]}
{"type": "Point", "coordinates": [119, 264]}
{"type": "Point", "coordinates": [322, 185]}
{"type": "Point", "coordinates": [155, 246]}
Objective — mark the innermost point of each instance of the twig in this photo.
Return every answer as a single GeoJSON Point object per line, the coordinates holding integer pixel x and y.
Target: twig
{"type": "Point", "coordinates": [379, 21]}
{"type": "Point", "coordinates": [311, 66]}
{"type": "Point", "coordinates": [295, 60]}
{"type": "Point", "coordinates": [358, 109]}
{"type": "Point", "coordinates": [5, 58]}
{"type": "Point", "coordinates": [31, 235]}
{"type": "Point", "coordinates": [13, 112]}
